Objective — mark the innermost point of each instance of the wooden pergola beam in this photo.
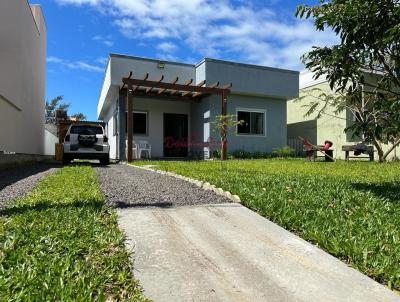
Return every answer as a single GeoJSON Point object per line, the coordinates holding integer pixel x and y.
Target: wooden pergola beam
{"type": "Point", "coordinates": [145, 77]}
{"type": "Point", "coordinates": [178, 87]}
{"type": "Point", "coordinates": [189, 82]}
{"type": "Point", "coordinates": [173, 82]}
{"type": "Point", "coordinates": [150, 87]}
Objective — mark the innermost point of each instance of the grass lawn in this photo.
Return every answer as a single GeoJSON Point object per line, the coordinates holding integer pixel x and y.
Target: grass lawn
{"type": "Point", "coordinates": [62, 243]}
{"type": "Point", "coordinates": [349, 209]}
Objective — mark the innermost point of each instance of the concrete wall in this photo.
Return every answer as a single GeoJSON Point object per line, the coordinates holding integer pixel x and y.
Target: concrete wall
{"type": "Point", "coordinates": [49, 143]}
{"type": "Point", "coordinates": [22, 77]}
{"type": "Point", "coordinates": [253, 79]}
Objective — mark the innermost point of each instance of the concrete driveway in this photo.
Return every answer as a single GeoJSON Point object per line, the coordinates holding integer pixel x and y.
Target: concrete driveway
{"type": "Point", "coordinates": [225, 252]}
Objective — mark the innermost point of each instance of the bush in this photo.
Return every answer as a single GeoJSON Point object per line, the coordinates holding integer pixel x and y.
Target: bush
{"type": "Point", "coordinates": [285, 151]}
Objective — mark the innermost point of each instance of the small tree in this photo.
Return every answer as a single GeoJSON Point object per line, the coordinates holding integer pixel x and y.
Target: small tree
{"type": "Point", "coordinates": [224, 124]}
{"type": "Point", "coordinates": [56, 104]}
{"type": "Point", "coordinates": [364, 68]}
{"type": "Point", "coordinates": [78, 117]}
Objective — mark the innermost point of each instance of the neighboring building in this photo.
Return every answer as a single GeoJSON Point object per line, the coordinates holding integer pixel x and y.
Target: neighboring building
{"type": "Point", "coordinates": [330, 126]}
{"type": "Point", "coordinates": [177, 128]}
{"type": "Point", "coordinates": [50, 139]}
{"type": "Point", "coordinates": [22, 77]}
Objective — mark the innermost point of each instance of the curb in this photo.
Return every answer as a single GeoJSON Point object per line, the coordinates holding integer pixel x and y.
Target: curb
{"type": "Point", "coordinates": [206, 186]}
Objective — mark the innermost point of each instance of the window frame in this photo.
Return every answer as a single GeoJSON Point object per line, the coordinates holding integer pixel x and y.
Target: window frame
{"type": "Point", "coordinates": [250, 110]}
{"type": "Point", "coordinates": [147, 123]}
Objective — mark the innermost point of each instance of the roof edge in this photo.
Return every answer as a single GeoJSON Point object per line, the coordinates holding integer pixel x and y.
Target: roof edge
{"type": "Point", "coordinates": [247, 65]}
{"type": "Point", "coordinates": [116, 55]}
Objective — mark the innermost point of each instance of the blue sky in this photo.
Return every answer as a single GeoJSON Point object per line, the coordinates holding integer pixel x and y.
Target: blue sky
{"type": "Point", "coordinates": [81, 34]}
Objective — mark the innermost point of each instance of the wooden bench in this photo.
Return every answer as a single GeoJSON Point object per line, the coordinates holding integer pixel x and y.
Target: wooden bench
{"type": "Point", "coordinates": [363, 149]}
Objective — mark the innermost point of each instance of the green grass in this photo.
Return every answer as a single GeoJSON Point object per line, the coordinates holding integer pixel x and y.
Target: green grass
{"type": "Point", "coordinates": [349, 209]}
{"type": "Point", "coordinates": [62, 243]}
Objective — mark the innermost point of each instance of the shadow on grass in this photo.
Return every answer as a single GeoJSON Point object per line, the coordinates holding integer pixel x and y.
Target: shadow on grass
{"type": "Point", "coordinates": [387, 190]}
{"type": "Point", "coordinates": [43, 206]}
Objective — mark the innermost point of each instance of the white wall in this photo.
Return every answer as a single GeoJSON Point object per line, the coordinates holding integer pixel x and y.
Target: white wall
{"type": "Point", "coordinates": [50, 140]}
{"type": "Point", "coordinates": [22, 77]}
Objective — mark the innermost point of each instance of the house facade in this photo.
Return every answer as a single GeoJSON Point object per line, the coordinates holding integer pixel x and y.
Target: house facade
{"type": "Point", "coordinates": [331, 126]}
{"type": "Point", "coordinates": [181, 128]}
{"type": "Point", "coordinates": [22, 77]}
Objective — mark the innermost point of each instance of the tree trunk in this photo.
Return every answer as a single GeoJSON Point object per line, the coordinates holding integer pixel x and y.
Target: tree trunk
{"type": "Point", "coordinates": [394, 145]}
{"type": "Point", "coordinates": [379, 149]}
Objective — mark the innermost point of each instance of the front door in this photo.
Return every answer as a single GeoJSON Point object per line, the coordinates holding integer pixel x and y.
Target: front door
{"type": "Point", "coordinates": [175, 135]}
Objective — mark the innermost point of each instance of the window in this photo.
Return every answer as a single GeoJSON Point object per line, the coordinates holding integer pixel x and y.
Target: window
{"type": "Point", "coordinates": [253, 122]}
{"type": "Point", "coordinates": [139, 122]}
{"type": "Point", "coordinates": [86, 130]}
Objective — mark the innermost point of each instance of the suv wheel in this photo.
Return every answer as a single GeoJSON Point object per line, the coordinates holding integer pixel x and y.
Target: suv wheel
{"type": "Point", "coordinates": [65, 159]}
{"type": "Point", "coordinates": [105, 160]}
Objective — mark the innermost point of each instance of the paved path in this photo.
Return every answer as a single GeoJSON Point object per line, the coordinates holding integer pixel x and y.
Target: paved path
{"type": "Point", "coordinates": [223, 252]}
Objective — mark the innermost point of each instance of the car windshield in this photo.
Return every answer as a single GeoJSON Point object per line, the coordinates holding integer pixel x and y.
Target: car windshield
{"type": "Point", "coordinates": [86, 130]}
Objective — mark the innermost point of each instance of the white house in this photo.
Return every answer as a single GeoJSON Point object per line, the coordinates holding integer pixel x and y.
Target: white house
{"type": "Point", "coordinates": [176, 126]}
{"type": "Point", "coordinates": [22, 77]}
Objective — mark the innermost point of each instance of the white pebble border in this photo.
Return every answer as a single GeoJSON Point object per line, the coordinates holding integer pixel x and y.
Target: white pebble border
{"type": "Point", "coordinates": [201, 184]}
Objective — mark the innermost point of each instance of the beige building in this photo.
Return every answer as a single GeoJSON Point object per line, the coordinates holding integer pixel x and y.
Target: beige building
{"type": "Point", "coordinates": [328, 127]}
{"type": "Point", "coordinates": [22, 77]}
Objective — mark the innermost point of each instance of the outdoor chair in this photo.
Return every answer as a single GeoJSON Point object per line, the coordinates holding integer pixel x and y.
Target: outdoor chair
{"type": "Point", "coordinates": [143, 146]}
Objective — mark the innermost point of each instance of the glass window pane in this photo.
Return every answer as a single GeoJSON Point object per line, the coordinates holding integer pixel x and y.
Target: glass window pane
{"type": "Point", "coordinates": [244, 128]}
{"type": "Point", "coordinates": [139, 123]}
{"type": "Point", "coordinates": [257, 123]}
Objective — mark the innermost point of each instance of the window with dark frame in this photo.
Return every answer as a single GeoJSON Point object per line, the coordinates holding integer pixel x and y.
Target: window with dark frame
{"type": "Point", "coordinates": [253, 122]}
{"type": "Point", "coordinates": [139, 123]}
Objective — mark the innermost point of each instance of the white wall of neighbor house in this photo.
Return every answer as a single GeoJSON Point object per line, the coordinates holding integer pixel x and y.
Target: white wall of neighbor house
{"type": "Point", "coordinates": [22, 77]}
{"type": "Point", "coordinates": [50, 140]}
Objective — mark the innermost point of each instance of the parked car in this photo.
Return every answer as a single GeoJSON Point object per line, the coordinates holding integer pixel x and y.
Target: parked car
{"type": "Point", "coordinates": [86, 141]}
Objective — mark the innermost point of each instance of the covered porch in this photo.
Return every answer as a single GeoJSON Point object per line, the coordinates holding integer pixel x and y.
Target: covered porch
{"type": "Point", "coordinates": [165, 115]}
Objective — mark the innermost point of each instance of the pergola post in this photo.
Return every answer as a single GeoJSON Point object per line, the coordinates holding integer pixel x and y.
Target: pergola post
{"type": "Point", "coordinates": [130, 122]}
{"type": "Point", "coordinates": [224, 130]}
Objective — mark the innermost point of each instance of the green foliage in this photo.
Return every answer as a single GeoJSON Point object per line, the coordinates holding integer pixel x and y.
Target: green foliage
{"type": "Point", "coordinates": [79, 116]}
{"type": "Point", "coordinates": [56, 104]}
{"type": "Point", "coordinates": [62, 243]}
{"type": "Point", "coordinates": [285, 151]}
{"type": "Point", "coordinates": [349, 209]}
{"type": "Point", "coordinates": [364, 68]}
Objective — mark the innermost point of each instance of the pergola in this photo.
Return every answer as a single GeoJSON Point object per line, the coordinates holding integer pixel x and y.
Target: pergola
{"type": "Point", "coordinates": [160, 89]}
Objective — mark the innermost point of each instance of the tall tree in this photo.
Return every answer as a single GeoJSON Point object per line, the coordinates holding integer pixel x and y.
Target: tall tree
{"type": "Point", "coordinates": [364, 69]}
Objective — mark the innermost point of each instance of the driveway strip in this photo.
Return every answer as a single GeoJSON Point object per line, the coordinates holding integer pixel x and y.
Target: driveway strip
{"type": "Point", "coordinates": [194, 251]}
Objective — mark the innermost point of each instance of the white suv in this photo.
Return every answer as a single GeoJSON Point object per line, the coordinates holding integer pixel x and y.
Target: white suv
{"type": "Point", "coordinates": [86, 141]}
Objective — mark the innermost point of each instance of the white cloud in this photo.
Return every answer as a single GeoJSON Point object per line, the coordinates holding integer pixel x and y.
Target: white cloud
{"type": "Point", "coordinates": [167, 47]}
{"type": "Point", "coordinates": [214, 28]}
{"type": "Point", "coordinates": [75, 64]}
{"type": "Point", "coordinates": [105, 40]}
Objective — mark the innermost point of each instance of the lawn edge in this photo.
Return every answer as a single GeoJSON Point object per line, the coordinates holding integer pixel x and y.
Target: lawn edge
{"type": "Point", "coordinates": [206, 186]}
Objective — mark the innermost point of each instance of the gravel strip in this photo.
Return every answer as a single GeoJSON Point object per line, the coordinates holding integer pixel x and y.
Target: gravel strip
{"type": "Point", "coordinates": [16, 182]}
{"type": "Point", "coordinates": [127, 186]}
